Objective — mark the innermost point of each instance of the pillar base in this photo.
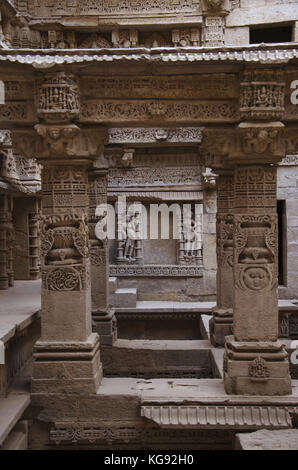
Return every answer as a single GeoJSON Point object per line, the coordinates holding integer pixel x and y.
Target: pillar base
{"type": "Point", "coordinates": [105, 324]}
{"type": "Point", "coordinates": [69, 367]}
{"type": "Point", "coordinates": [220, 326]}
{"type": "Point", "coordinates": [256, 368]}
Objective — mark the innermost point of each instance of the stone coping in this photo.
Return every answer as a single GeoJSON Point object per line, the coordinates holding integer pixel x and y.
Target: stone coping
{"type": "Point", "coordinates": [188, 391]}
{"type": "Point", "coordinates": [277, 53]}
{"type": "Point", "coordinates": [163, 345]}
{"type": "Point", "coordinates": [19, 307]}
{"type": "Point", "coordinates": [11, 410]}
{"type": "Point", "coordinates": [150, 306]}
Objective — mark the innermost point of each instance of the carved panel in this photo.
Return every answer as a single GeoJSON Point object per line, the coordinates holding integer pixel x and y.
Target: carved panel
{"type": "Point", "coordinates": [58, 97]}
{"type": "Point", "coordinates": [64, 188]}
{"type": "Point", "coordinates": [114, 7]}
{"type": "Point", "coordinates": [255, 188]}
{"type": "Point", "coordinates": [156, 271]}
{"type": "Point", "coordinates": [203, 86]}
{"type": "Point", "coordinates": [136, 111]}
{"type": "Point", "coordinates": [262, 94]}
{"type": "Point", "coordinates": [144, 135]}
{"type": "Point", "coordinates": [155, 177]}
{"type": "Point", "coordinates": [213, 32]}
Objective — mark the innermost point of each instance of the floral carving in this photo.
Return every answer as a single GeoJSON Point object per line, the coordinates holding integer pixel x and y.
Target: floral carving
{"type": "Point", "coordinates": [63, 279]}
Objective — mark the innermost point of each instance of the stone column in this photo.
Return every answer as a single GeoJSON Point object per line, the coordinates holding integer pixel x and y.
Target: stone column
{"type": "Point", "coordinates": [3, 241]}
{"type": "Point", "coordinates": [255, 362]}
{"type": "Point", "coordinates": [66, 358]}
{"type": "Point", "coordinates": [104, 319]}
{"type": "Point", "coordinates": [34, 240]}
{"type": "Point", "coordinates": [221, 323]}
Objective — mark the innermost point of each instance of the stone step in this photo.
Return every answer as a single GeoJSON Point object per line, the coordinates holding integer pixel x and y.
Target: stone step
{"type": "Point", "coordinates": [113, 284]}
{"type": "Point", "coordinates": [124, 298]}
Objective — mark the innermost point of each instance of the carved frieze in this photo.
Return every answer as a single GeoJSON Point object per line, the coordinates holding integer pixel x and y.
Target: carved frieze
{"type": "Point", "coordinates": [262, 94]}
{"type": "Point", "coordinates": [167, 176]}
{"type": "Point", "coordinates": [114, 7]}
{"type": "Point", "coordinates": [156, 271]}
{"type": "Point", "coordinates": [148, 111]}
{"type": "Point", "coordinates": [145, 135]}
{"type": "Point", "coordinates": [204, 86]}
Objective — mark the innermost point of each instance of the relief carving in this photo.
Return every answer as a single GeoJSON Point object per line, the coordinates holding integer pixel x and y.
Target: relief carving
{"type": "Point", "coordinates": [58, 97]}
{"type": "Point", "coordinates": [262, 95]}
{"type": "Point", "coordinates": [104, 111]}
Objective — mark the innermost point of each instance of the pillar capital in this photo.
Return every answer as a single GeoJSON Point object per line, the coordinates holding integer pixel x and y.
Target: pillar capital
{"type": "Point", "coordinates": [259, 143]}
{"type": "Point", "coordinates": [61, 143]}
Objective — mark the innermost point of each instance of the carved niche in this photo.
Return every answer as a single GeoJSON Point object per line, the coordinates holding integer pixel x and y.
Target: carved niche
{"type": "Point", "coordinates": [58, 98]}
{"type": "Point", "coordinates": [262, 94]}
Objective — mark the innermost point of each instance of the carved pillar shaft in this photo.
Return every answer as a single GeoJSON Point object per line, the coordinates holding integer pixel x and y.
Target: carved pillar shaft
{"type": "Point", "coordinates": [10, 238]}
{"type": "Point", "coordinates": [98, 248]}
{"type": "Point", "coordinates": [255, 362]}
{"type": "Point", "coordinates": [224, 234]}
{"type": "Point", "coordinates": [104, 319]}
{"type": "Point", "coordinates": [256, 260]}
{"type": "Point", "coordinates": [3, 241]}
{"type": "Point", "coordinates": [34, 241]}
{"type": "Point", "coordinates": [66, 328]}
{"type": "Point", "coordinates": [222, 322]}
{"type": "Point", "coordinates": [67, 355]}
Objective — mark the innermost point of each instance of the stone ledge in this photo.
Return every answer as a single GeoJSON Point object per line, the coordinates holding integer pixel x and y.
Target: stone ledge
{"type": "Point", "coordinates": [11, 410]}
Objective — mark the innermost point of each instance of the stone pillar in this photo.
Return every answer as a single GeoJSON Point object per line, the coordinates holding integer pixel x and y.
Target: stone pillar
{"type": "Point", "coordinates": [66, 358]}
{"type": "Point", "coordinates": [3, 241]}
{"type": "Point", "coordinates": [104, 319]}
{"type": "Point", "coordinates": [67, 355]}
{"type": "Point", "coordinates": [34, 240]}
{"type": "Point", "coordinates": [26, 218]}
{"type": "Point", "coordinates": [221, 323]}
{"type": "Point", "coordinates": [255, 362]}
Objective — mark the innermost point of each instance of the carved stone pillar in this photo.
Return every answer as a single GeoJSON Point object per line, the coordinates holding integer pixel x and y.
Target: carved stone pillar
{"type": "Point", "coordinates": [34, 240]}
{"type": "Point", "coordinates": [255, 362]}
{"type": "Point", "coordinates": [222, 322]}
{"type": "Point", "coordinates": [3, 241]}
{"type": "Point", "coordinates": [67, 355]}
{"type": "Point", "coordinates": [104, 320]}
